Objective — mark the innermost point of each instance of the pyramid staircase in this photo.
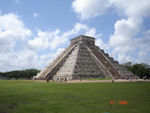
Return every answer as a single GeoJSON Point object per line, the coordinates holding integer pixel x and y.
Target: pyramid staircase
{"type": "Point", "coordinates": [52, 68]}
{"type": "Point", "coordinates": [105, 61]}
{"type": "Point", "coordinates": [82, 59]}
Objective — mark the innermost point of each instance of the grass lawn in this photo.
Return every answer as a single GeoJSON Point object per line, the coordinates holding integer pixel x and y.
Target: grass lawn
{"type": "Point", "coordinates": [41, 97]}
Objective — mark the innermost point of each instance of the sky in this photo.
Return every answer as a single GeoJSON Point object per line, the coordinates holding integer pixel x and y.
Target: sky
{"type": "Point", "coordinates": [34, 32]}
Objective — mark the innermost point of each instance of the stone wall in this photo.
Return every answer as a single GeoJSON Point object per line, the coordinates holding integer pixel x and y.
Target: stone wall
{"type": "Point", "coordinates": [66, 70]}
{"type": "Point", "coordinates": [78, 65]}
{"type": "Point", "coordinates": [84, 40]}
{"type": "Point", "coordinates": [85, 65]}
{"type": "Point", "coordinates": [120, 68]}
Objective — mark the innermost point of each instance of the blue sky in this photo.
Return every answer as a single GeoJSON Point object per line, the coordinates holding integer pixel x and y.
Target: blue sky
{"type": "Point", "coordinates": [33, 33]}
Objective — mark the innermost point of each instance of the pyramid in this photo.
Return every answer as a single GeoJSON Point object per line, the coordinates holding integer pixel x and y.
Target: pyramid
{"type": "Point", "coordinates": [82, 59]}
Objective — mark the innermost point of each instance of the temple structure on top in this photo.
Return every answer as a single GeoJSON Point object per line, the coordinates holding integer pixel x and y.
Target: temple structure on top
{"type": "Point", "coordinates": [82, 59]}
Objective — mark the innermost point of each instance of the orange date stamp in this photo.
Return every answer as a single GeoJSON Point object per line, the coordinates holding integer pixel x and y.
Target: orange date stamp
{"type": "Point", "coordinates": [121, 102]}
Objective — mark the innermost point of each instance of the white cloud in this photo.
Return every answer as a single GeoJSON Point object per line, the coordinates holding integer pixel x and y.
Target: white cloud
{"type": "Point", "coordinates": [125, 31]}
{"type": "Point", "coordinates": [48, 58]}
{"type": "Point", "coordinates": [42, 40]}
{"type": "Point", "coordinates": [76, 29]}
{"type": "Point", "coordinates": [132, 8]}
{"type": "Point", "coordinates": [126, 43]}
{"type": "Point", "coordinates": [91, 32]}
{"type": "Point", "coordinates": [26, 59]}
{"type": "Point", "coordinates": [98, 42]}
{"type": "Point", "coordinates": [125, 40]}
{"type": "Point", "coordinates": [18, 60]}
{"type": "Point", "coordinates": [143, 43]}
{"type": "Point", "coordinates": [54, 39]}
{"type": "Point", "coordinates": [89, 8]}
{"type": "Point", "coordinates": [11, 30]}
{"type": "Point", "coordinates": [35, 14]}
{"type": "Point", "coordinates": [122, 58]}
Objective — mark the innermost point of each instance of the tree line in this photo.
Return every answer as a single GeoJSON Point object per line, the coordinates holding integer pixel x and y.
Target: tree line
{"type": "Point", "coordinates": [19, 74]}
{"type": "Point", "coordinates": [141, 70]}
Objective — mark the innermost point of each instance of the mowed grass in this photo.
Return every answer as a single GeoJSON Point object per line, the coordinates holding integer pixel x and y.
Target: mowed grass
{"type": "Point", "coordinates": [42, 97]}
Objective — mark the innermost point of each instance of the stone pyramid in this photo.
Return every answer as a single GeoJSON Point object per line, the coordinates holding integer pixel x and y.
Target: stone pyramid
{"type": "Point", "coordinates": [82, 59]}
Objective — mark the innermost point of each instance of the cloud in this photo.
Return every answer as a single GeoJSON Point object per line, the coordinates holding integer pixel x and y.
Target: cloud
{"type": "Point", "coordinates": [132, 8]}
{"type": "Point", "coordinates": [142, 45]}
{"type": "Point", "coordinates": [86, 9]}
{"type": "Point", "coordinates": [19, 60]}
{"type": "Point", "coordinates": [125, 42]}
{"type": "Point", "coordinates": [50, 57]}
{"type": "Point", "coordinates": [125, 31]}
{"type": "Point", "coordinates": [11, 30]}
{"type": "Point", "coordinates": [53, 39]}
{"type": "Point", "coordinates": [122, 58]}
{"type": "Point", "coordinates": [98, 42]}
{"type": "Point", "coordinates": [91, 32]}
{"type": "Point", "coordinates": [42, 40]}
{"type": "Point", "coordinates": [35, 14]}
{"type": "Point", "coordinates": [26, 59]}
{"type": "Point", "coordinates": [89, 8]}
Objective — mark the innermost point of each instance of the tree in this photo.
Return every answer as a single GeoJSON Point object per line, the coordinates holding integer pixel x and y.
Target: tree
{"type": "Point", "coordinates": [140, 70]}
{"type": "Point", "coordinates": [128, 66]}
{"type": "Point", "coordinates": [1, 74]}
{"type": "Point", "coordinates": [20, 74]}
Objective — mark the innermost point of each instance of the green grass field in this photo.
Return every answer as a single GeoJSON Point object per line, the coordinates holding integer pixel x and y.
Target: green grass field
{"type": "Point", "coordinates": [42, 97]}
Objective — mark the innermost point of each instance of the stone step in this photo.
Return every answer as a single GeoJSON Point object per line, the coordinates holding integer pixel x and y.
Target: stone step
{"type": "Point", "coordinates": [105, 61]}
{"type": "Point", "coordinates": [49, 68]}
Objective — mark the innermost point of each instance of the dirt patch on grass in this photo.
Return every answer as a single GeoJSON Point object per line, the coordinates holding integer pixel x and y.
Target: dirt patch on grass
{"type": "Point", "coordinates": [6, 107]}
